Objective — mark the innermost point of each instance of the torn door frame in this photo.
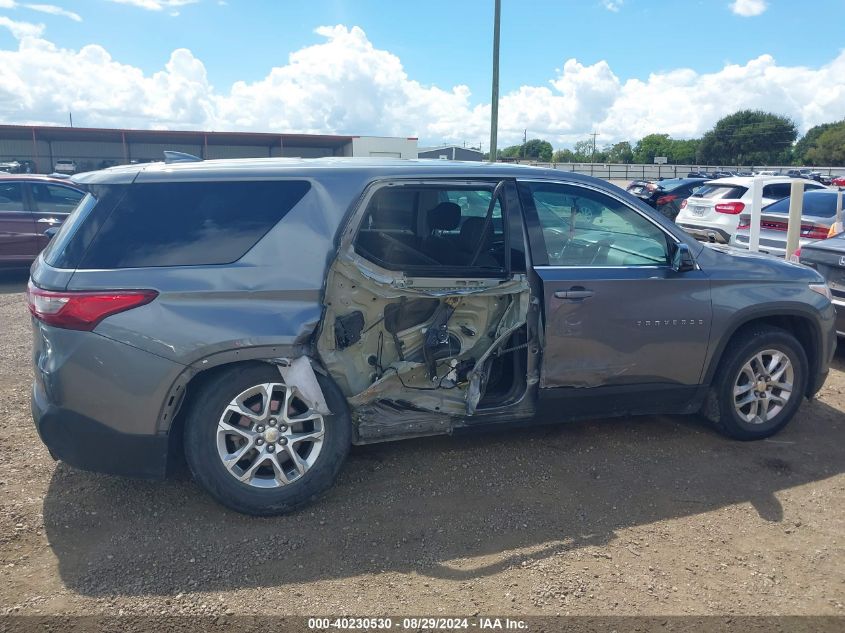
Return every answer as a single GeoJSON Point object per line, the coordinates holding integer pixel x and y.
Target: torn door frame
{"type": "Point", "coordinates": [389, 393]}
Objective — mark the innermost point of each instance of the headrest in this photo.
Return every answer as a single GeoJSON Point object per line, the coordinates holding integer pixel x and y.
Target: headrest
{"type": "Point", "coordinates": [391, 208]}
{"type": "Point", "coordinates": [471, 232]}
{"type": "Point", "coordinates": [446, 216]}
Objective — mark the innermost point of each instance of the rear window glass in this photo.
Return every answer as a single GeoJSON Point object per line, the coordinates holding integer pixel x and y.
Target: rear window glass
{"type": "Point", "coordinates": [821, 205]}
{"type": "Point", "coordinates": [720, 192]}
{"type": "Point", "coordinates": [670, 183]}
{"type": "Point", "coordinates": [189, 223]}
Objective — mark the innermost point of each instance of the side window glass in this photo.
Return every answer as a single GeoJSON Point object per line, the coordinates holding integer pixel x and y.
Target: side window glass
{"type": "Point", "coordinates": [429, 226]}
{"type": "Point", "coordinates": [189, 223]}
{"type": "Point", "coordinates": [11, 197]}
{"type": "Point", "coordinates": [776, 192]}
{"type": "Point", "coordinates": [55, 198]}
{"type": "Point", "coordinates": [582, 227]}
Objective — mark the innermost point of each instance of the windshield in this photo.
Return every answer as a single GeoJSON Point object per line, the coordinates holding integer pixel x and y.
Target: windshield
{"type": "Point", "coordinates": [720, 192]}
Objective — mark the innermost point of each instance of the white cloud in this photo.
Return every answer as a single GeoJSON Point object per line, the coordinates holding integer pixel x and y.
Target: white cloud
{"type": "Point", "coordinates": [156, 5]}
{"type": "Point", "coordinates": [346, 85]}
{"type": "Point", "coordinates": [748, 8]}
{"type": "Point", "coordinates": [54, 10]}
{"type": "Point", "coordinates": [21, 30]}
{"type": "Point", "coordinates": [613, 5]}
{"type": "Point", "coordinates": [41, 8]}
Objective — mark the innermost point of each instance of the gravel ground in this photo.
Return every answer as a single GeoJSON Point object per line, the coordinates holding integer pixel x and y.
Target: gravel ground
{"type": "Point", "coordinates": [635, 516]}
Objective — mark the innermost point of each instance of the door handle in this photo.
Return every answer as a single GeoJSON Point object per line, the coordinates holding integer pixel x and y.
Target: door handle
{"type": "Point", "coordinates": [47, 220]}
{"type": "Point", "coordinates": [576, 292]}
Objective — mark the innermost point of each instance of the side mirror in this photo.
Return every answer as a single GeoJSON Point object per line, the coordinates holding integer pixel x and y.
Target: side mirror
{"type": "Point", "coordinates": [682, 260]}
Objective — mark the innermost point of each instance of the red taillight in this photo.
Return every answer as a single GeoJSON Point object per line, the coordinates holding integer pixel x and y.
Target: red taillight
{"type": "Point", "coordinates": [814, 232]}
{"type": "Point", "coordinates": [82, 310]}
{"type": "Point", "coordinates": [684, 204]}
{"type": "Point", "coordinates": [744, 223]}
{"type": "Point", "coordinates": [796, 256]}
{"type": "Point", "coordinates": [666, 199]}
{"type": "Point", "coordinates": [731, 208]}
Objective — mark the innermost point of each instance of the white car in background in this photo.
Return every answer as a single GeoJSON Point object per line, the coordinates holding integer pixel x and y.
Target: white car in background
{"type": "Point", "coordinates": [712, 213]}
{"type": "Point", "coordinates": [64, 166]}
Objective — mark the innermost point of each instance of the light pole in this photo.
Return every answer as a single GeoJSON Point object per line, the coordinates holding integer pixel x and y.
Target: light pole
{"type": "Point", "coordinates": [494, 102]}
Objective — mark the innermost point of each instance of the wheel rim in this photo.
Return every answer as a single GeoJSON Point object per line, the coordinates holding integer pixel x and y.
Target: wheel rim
{"type": "Point", "coordinates": [269, 436]}
{"type": "Point", "coordinates": [763, 386]}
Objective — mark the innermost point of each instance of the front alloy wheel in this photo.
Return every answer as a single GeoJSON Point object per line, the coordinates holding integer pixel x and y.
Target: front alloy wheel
{"type": "Point", "coordinates": [759, 384]}
{"type": "Point", "coordinates": [763, 386]}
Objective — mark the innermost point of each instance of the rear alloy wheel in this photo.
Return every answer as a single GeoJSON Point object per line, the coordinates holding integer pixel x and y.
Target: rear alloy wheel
{"type": "Point", "coordinates": [269, 435]}
{"type": "Point", "coordinates": [259, 446]}
{"type": "Point", "coordinates": [759, 384]}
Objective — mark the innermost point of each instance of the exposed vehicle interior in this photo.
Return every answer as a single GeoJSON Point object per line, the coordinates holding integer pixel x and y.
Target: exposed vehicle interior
{"type": "Point", "coordinates": [420, 226]}
{"type": "Point", "coordinates": [423, 309]}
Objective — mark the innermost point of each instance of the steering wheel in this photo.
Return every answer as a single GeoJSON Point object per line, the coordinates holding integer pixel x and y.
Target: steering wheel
{"type": "Point", "coordinates": [408, 249]}
{"type": "Point", "coordinates": [559, 238]}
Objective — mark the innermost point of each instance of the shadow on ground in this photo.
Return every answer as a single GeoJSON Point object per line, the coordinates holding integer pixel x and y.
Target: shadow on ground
{"type": "Point", "coordinates": [453, 508]}
{"type": "Point", "coordinates": [12, 281]}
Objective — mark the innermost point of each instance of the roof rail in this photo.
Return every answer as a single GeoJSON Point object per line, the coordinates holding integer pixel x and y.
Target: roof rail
{"type": "Point", "coordinates": [180, 157]}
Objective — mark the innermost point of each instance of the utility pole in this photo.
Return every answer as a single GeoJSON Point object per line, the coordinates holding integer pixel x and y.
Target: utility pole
{"type": "Point", "coordinates": [593, 154]}
{"type": "Point", "coordinates": [524, 141]}
{"type": "Point", "coordinates": [70, 116]}
{"type": "Point", "coordinates": [494, 102]}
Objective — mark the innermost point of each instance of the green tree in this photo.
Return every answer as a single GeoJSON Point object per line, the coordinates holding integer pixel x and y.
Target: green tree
{"type": "Point", "coordinates": [650, 146]}
{"type": "Point", "coordinates": [538, 149]}
{"type": "Point", "coordinates": [810, 141]}
{"type": "Point", "coordinates": [829, 148]}
{"type": "Point", "coordinates": [619, 153]}
{"type": "Point", "coordinates": [513, 151]}
{"type": "Point", "coordinates": [682, 152]}
{"type": "Point", "coordinates": [564, 156]}
{"type": "Point", "coordinates": [748, 137]}
{"type": "Point", "coordinates": [583, 151]}
{"type": "Point", "coordinates": [534, 149]}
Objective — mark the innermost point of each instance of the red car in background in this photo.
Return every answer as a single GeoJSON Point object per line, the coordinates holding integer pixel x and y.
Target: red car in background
{"type": "Point", "coordinates": [29, 206]}
{"type": "Point", "coordinates": [839, 181]}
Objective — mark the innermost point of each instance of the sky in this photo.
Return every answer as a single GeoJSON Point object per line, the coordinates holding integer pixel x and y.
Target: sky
{"type": "Point", "coordinates": [620, 68]}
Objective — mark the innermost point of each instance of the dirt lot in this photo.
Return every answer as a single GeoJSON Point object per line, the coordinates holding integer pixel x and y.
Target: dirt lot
{"type": "Point", "coordinates": [634, 516]}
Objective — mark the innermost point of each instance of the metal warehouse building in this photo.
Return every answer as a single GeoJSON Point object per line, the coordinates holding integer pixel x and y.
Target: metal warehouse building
{"type": "Point", "coordinates": [37, 148]}
{"type": "Point", "coordinates": [451, 152]}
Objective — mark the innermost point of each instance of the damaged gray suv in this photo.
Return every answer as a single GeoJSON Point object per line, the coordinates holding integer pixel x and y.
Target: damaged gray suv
{"type": "Point", "coordinates": [258, 317]}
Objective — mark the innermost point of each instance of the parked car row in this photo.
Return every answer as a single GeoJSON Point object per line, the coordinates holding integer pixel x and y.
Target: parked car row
{"type": "Point", "coordinates": [666, 196]}
{"type": "Point", "coordinates": [802, 172]}
{"type": "Point", "coordinates": [817, 217]}
{"type": "Point", "coordinates": [712, 213]}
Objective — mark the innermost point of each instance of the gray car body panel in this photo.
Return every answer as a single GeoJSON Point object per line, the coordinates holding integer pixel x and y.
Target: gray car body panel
{"type": "Point", "coordinates": [269, 304]}
{"type": "Point", "coordinates": [105, 380]}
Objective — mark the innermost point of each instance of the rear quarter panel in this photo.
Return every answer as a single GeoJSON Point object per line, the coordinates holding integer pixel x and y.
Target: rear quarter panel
{"type": "Point", "coordinates": [270, 297]}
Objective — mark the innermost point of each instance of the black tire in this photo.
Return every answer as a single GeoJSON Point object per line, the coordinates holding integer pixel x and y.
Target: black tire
{"type": "Point", "coordinates": [206, 465]}
{"type": "Point", "coordinates": [744, 345]}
